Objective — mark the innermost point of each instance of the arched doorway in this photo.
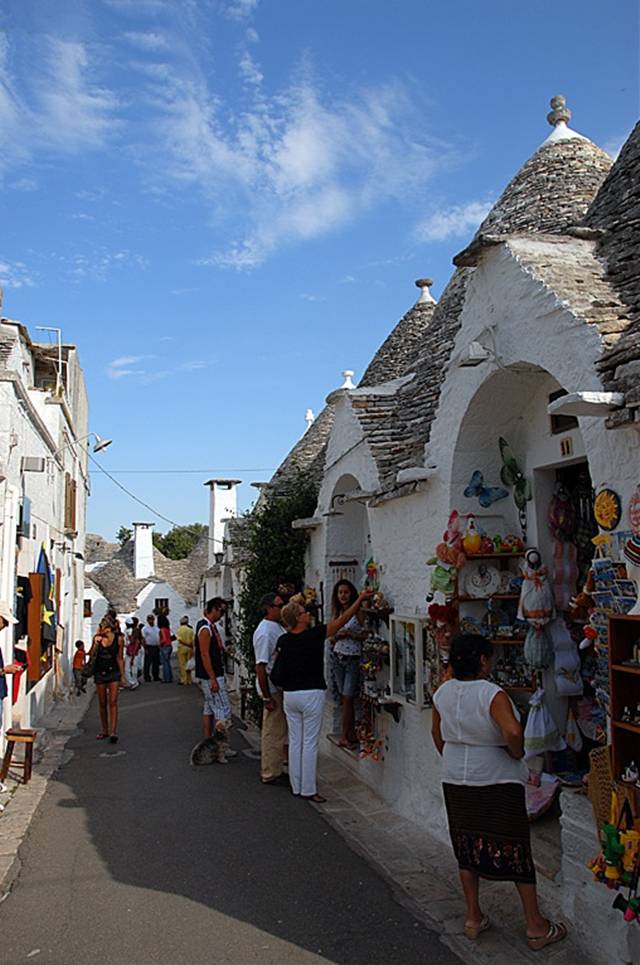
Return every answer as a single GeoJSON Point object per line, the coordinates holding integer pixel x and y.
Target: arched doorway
{"type": "Point", "coordinates": [348, 540]}
{"type": "Point", "coordinates": [512, 404]}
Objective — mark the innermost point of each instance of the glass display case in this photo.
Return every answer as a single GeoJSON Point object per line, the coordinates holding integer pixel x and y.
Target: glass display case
{"type": "Point", "coordinates": [407, 652]}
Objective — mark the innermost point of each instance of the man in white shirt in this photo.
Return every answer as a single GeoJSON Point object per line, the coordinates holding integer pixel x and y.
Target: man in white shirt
{"type": "Point", "coordinates": [151, 637]}
{"type": "Point", "coordinates": [274, 723]}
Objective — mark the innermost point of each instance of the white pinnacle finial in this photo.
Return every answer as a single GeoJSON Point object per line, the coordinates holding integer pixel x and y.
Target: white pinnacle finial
{"type": "Point", "coordinates": [559, 117]}
{"type": "Point", "coordinates": [560, 113]}
{"type": "Point", "coordinates": [426, 298]}
{"type": "Point", "coordinates": [348, 379]}
{"type": "Point", "coordinates": [309, 418]}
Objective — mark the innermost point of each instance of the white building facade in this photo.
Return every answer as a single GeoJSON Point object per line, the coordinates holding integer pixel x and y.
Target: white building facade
{"type": "Point", "coordinates": [532, 342]}
{"type": "Point", "coordinates": [44, 485]}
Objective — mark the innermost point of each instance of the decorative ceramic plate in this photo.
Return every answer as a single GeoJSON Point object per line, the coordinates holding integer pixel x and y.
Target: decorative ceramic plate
{"type": "Point", "coordinates": [481, 580]}
{"type": "Point", "coordinates": [607, 509]}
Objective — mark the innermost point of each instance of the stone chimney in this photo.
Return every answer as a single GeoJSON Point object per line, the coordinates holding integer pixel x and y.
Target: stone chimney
{"type": "Point", "coordinates": [143, 550]}
{"type": "Point", "coordinates": [223, 504]}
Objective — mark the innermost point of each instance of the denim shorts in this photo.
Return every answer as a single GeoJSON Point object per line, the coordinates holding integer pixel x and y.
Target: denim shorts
{"type": "Point", "coordinates": [346, 674]}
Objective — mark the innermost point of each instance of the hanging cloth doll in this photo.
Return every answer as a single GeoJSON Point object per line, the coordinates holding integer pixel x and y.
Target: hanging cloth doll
{"type": "Point", "coordinates": [536, 607]}
{"type": "Point", "coordinates": [562, 525]}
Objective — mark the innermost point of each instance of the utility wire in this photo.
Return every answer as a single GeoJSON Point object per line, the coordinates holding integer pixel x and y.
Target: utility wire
{"type": "Point", "coordinates": [141, 501]}
{"type": "Point", "coordinates": [121, 472]}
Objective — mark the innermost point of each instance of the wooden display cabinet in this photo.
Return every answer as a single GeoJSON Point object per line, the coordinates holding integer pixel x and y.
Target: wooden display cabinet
{"type": "Point", "coordinates": [624, 691]}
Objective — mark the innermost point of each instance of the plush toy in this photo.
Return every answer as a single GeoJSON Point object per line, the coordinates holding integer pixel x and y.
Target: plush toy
{"type": "Point", "coordinates": [442, 579]}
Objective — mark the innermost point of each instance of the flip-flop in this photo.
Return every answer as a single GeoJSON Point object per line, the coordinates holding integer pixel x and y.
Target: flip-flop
{"type": "Point", "coordinates": [101, 737]}
{"type": "Point", "coordinates": [314, 798]}
{"type": "Point", "coordinates": [557, 931]}
{"type": "Point", "coordinates": [474, 931]}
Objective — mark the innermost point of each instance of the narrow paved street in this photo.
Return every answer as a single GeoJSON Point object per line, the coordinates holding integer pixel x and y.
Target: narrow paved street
{"type": "Point", "coordinates": [135, 857]}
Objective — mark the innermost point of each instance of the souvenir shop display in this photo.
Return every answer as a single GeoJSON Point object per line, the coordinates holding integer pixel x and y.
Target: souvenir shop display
{"type": "Point", "coordinates": [537, 608]}
{"type": "Point", "coordinates": [607, 509]}
{"type": "Point", "coordinates": [624, 693]}
{"type": "Point", "coordinates": [410, 658]}
{"type": "Point", "coordinates": [618, 864]}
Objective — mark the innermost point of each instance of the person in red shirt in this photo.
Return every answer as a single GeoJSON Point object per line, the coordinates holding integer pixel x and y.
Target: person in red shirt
{"type": "Point", "coordinates": [79, 660]}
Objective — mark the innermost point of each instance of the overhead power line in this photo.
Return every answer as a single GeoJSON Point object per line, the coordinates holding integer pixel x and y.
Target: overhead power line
{"type": "Point", "coordinates": [141, 501]}
{"type": "Point", "coordinates": [215, 472]}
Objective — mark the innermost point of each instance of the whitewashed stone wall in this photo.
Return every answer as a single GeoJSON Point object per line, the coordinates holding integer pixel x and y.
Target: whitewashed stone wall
{"type": "Point", "coordinates": [540, 346]}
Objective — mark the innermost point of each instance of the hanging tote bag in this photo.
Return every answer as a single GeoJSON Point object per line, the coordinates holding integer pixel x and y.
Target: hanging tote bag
{"type": "Point", "coordinates": [540, 732]}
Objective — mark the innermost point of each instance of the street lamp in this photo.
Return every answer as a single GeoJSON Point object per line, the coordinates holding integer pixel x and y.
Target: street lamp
{"type": "Point", "coordinates": [99, 445]}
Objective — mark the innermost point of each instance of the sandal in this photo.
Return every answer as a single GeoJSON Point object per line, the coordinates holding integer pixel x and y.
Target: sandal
{"type": "Point", "coordinates": [113, 739]}
{"type": "Point", "coordinates": [557, 931]}
{"type": "Point", "coordinates": [314, 798]}
{"type": "Point", "coordinates": [101, 737]}
{"type": "Point", "coordinates": [474, 931]}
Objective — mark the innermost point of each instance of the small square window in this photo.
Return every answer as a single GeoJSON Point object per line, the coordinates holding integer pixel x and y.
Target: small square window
{"type": "Point", "coordinates": [161, 605]}
{"type": "Point", "coordinates": [87, 609]}
{"type": "Point", "coordinates": [561, 423]}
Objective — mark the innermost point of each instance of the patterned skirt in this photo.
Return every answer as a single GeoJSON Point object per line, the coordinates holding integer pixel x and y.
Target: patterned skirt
{"type": "Point", "coordinates": [489, 831]}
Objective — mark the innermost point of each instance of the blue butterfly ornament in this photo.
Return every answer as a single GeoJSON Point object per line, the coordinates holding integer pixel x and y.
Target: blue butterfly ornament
{"type": "Point", "coordinates": [486, 494]}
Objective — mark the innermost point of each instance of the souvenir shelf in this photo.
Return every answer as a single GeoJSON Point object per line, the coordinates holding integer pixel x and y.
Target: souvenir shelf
{"type": "Point", "coordinates": [624, 690]}
{"type": "Point", "coordinates": [408, 652]}
{"type": "Point", "coordinates": [375, 657]}
{"type": "Point", "coordinates": [473, 605]}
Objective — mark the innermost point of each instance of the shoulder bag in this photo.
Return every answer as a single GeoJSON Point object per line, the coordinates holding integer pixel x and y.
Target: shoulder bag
{"type": "Point", "coordinates": [277, 674]}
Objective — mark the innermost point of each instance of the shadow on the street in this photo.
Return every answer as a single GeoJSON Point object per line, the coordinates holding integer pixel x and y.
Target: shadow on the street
{"type": "Point", "coordinates": [216, 836]}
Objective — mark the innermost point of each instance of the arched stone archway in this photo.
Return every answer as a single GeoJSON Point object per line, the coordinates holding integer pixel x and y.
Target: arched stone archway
{"type": "Point", "coordinates": [512, 403]}
{"type": "Point", "coordinates": [348, 540]}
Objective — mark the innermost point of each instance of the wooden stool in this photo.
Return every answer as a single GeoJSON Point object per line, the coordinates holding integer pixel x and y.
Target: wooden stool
{"type": "Point", "coordinates": [19, 735]}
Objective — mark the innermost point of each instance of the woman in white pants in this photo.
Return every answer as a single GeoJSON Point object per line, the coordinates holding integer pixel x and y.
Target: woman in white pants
{"type": "Point", "coordinates": [301, 669]}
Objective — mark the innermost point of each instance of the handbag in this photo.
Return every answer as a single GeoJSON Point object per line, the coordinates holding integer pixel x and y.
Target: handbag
{"type": "Point", "coordinates": [89, 668]}
{"type": "Point", "coordinates": [190, 664]}
{"type": "Point", "coordinates": [277, 674]}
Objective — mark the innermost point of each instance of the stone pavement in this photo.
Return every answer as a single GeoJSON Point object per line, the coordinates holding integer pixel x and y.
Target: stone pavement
{"type": "Point", "coordinates": [21, 802]}
{"type": "Point", "coordinates": [133, 857]}
{"type": "Point", "coordinates": [419, 867]}
{"type": "Point", "coordinates": [423, 873]}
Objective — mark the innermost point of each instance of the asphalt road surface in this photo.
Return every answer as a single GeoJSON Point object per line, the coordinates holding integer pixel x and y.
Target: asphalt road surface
{"type": "Point", "coordinates": [135, 857]}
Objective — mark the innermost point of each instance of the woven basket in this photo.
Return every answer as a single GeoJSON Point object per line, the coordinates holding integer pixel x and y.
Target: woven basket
{"type": "Point", "coordinates": [600, 784]}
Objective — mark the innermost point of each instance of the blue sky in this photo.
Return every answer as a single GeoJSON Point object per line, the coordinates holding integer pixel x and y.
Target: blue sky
{"type": "Point", "coordinates": [224, 203]}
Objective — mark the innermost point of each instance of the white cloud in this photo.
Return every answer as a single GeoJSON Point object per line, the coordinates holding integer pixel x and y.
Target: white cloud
{"type": "Point", "coordinates": [249, 70]}
{"type": "Point", "coordinates": [128, 366]}
{"type": "Point", "coordinates": [61, 106]}
{"type": "Point", "coordinates": [252, 36]}
{"type": "Point", "coordinates": [195, 364]}
{"type": "Point", "coordinates": [147, 40]}
{"type": "Point", "coordinates": [15, 274]}
{"type": "Point", "coordinates": [347, 280]}
{"type": "Point", "coordinates": [24, 184]}
{"type": "Point", "coordinates": [295, 165]}
{"type": "Point", "coordinates": [75, 113]}
{"type": "Point", "coordinates": [239, 9]}
{"type": "Point", "coordinates": [456, 221]}
{"type": "Point", "coordinates": [312, 298]}
{"type": "Point", "coordinates": [82, 216]}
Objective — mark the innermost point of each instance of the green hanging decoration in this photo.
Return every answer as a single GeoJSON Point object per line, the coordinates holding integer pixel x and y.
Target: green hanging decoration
{"type": "Point", "coordinates": [512, 475]}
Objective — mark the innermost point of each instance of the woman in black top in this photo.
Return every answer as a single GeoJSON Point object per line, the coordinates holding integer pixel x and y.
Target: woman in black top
{"type": "Point", "coordinates": [301, 669]}
{"type": "Point", "coordinates": [109, 674]}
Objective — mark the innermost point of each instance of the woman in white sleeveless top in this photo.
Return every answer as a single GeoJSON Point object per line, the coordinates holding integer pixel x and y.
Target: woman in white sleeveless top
{"type": "Point", "coordinates": [477, 730]}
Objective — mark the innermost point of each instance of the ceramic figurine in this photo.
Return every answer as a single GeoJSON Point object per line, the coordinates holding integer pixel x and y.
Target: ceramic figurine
{"type": "Point", "coordinates": [630, 774]}
{"type": "Point", "coordinates": [372, 574]}
{"type": "Point", "coordinates": [472, 540]}
{"type": "Point", "coordinates": [626, 715]}
{"type": "Point", "coordinates": [497, 543]}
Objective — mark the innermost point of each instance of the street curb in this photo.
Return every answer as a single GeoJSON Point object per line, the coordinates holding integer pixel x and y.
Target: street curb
{"type": "Point", "coordinates": [57, 727]}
